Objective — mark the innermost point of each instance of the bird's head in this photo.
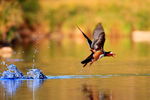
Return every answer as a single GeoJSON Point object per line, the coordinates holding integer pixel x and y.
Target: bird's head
{"type": "Point", "coordinates": [109, 54]}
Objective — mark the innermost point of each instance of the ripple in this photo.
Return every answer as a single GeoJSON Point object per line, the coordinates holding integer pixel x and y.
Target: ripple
{"type": "Point", "coordinates": [94, 76]}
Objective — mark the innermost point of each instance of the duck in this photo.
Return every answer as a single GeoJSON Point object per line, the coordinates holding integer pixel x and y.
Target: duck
{"type": "Point", "coordinates": [96, 45]}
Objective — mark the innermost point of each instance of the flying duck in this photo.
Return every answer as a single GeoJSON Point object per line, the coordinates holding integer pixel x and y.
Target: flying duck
{"type": "Point", "coordinates": [96, 46]}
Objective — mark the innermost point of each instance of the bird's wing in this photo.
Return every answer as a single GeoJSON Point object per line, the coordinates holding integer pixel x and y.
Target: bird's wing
{"type": "Point", "coordinates": [88, 40]}
{"type": "Point", "coordinates": [87, 60]}
{"type": "Point", "coordinates": [99, 38]}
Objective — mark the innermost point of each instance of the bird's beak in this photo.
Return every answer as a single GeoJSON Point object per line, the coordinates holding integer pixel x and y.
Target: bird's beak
{"type": "Point", "coordinates": [114, 55]}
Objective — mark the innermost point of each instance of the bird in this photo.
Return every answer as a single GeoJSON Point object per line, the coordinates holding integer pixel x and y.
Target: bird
{"type": "Point", "coordinates": [96, 45]}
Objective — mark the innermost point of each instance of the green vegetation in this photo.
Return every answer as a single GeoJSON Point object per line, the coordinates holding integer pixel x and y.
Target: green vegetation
{"type": "Point", "coordinates": [119, 17]}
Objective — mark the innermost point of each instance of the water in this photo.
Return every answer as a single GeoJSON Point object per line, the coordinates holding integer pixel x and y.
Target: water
{"type": "Point", "coordinates": [125, 77]}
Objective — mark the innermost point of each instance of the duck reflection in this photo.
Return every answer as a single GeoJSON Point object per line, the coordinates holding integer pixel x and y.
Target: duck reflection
{"type": "Point", "coordinates": [93, 93]}
{"type": "Point", "coordinates": [11, 85]}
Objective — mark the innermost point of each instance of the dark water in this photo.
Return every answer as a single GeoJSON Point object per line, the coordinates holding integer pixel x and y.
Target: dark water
{"type": "Point", "coordinates": [125, 77]}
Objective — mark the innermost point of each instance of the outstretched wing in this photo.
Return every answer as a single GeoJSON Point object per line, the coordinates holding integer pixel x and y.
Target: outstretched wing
{"type": "Point", "coordinates": [87, 60]}
{"type": "Point", "coordinates": [89, 41]}
{"type": "Point", "coordinates": [99, 38]}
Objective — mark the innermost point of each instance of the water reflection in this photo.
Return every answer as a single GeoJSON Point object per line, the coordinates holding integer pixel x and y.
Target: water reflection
{"type": "Point", "coordinates": [11, 86]}
{"type": "Point", "coordinates": [34, 84]}
{"type": "Point", "coordinates": [92, 93]}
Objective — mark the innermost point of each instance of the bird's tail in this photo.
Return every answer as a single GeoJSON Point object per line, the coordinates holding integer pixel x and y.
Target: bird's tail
{"type": "Point", "coordinates": [87, 60]}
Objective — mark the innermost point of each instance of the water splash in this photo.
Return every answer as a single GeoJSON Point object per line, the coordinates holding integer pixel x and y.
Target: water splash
{"type": "Point", "coordinates": [35, 74]}
{"type": "Point", "coordinates": [14, 73]}
{"type": "Point", "coordinates": [34, 57]}
{"type": "Point", "coordinates": [3, 63]}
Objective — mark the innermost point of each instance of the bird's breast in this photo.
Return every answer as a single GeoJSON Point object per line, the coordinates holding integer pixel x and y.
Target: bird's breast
{"type": "Point", "coordinates": [97, 54]}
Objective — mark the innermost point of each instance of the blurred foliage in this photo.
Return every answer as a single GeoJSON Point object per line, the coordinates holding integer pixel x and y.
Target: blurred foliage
{"type": "Point", "coordinates": [15, 13]}
{"type": "Point", "coordinates": [30, 9]}
{"type": "Point", "coordinates": [119, 17]}
{"type": "Point", "coordinates": [62, 15]}
{"type": "Point", "coordinates": [9, 16]}
{"type": "Point", "coordinates": [143, 19]}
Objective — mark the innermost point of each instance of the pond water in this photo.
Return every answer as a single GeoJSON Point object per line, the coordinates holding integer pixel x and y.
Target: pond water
{"type": "Point", "coordinates": [125, 77]}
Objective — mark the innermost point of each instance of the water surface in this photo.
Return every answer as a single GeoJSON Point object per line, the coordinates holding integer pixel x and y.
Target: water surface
{"type": "Point", "coordinates": [125, 77]}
